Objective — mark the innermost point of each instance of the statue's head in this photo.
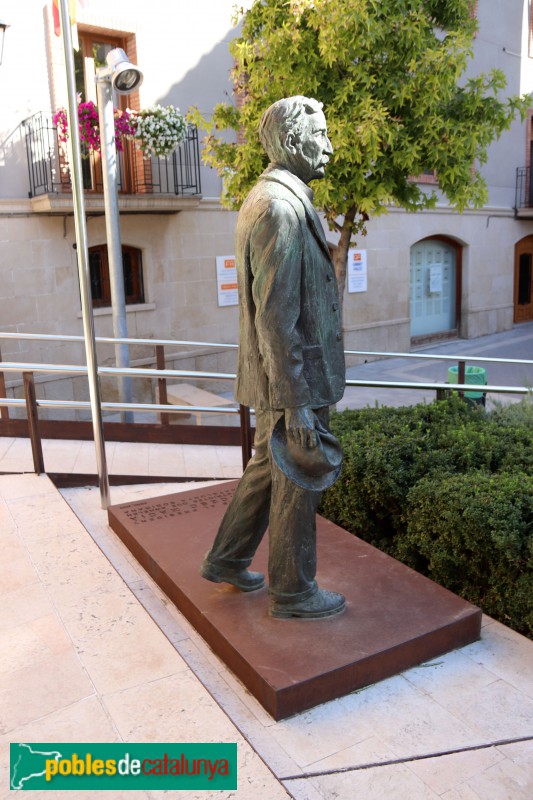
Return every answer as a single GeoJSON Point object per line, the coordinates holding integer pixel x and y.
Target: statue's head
{"type": "Point", "coordinates": [294, 133]}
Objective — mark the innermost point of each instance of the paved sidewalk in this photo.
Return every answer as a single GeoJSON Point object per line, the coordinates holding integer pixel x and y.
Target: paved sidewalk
{"type": "Point", "coordinates": [81, 659]}
{"type": "Point", "coordinates": [124, 458]}
{"type": "Point", "coordinates": [514, 344]}
{"type": "Point", "coordinates": [93, 651]}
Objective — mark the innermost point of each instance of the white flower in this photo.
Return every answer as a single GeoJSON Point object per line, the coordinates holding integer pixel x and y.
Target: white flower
{"type": "Point", "coordinates": [158, 130]}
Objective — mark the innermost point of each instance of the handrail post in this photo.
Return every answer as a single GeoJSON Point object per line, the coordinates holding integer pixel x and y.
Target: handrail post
{"type": "Point", "coordinates": [33, 422]}
{"type": "Point", "coordinates": [164, 419]}
{"type": "Point", "coordinates": [246, 435]}
{"type": "Point", "coordinates": [4, 410]}
{"type": "Point", "coordinates": [461, 375]}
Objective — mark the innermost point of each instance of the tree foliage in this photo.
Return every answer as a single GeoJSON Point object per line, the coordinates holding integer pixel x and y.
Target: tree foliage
{"type": "Point", "coordinates": [392, 79]}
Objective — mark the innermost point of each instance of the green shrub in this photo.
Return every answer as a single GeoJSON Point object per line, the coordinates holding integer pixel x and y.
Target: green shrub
{"type": "Point", "coordinates": [473, 533]}
{"type": "Point", "coordinates": [386, 451]}
{"type": "Point", "coordinates": [492, 447]}
{"type": "Point", "coordinates": [389, 451]}
{"type": "Point", "coordinates": [514, 413]}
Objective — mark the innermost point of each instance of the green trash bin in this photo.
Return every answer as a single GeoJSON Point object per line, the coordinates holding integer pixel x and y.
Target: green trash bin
{"type": "Point", "coordinates": [473, 375]}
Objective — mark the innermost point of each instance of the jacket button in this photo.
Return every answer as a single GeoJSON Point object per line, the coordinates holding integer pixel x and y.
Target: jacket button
{"type": "Point", "coordinates": [335, 306]}
{"type": "Point", "coordinates": [329, 276]}
{"type": "Point", "coordinates": [339, 336]}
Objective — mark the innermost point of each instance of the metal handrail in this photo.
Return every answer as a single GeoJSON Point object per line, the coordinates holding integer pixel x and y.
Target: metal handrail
{"type": "Point", "coordinates": [73, 369]}
{"type": "Point", "coordinates": [229, 346]}
{"type": "Point", "coordinates": [137, 372]}
{"type": "Point", "coordinates": [32, 404]}
{"type": "Point", "coordinates": [175, 409]}
{"type": "Point", "coordinates": [15, 402]}
{"type": "Point", "coordinates": [47, 337]}
{"type": "Point", "coordinates": [462, 357]}
{"type": "Point", "coordinates": [461, 387]}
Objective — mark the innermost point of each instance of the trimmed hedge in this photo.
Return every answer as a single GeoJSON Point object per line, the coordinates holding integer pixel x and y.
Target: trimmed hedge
{"type": "Point", "coordinates": [473, 533]}
{"type": "Point", "coordinates": [447, 489]}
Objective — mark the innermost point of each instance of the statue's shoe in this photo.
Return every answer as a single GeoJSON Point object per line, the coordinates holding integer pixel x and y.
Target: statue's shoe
{"type": "Point", "coordinates": [321, 604]}
{"type": "Point", "coordinates": [243, 579]}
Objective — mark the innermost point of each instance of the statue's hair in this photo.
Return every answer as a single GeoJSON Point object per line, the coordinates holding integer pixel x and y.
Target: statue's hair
{"type": "Point", "coordinates": [283, 117]}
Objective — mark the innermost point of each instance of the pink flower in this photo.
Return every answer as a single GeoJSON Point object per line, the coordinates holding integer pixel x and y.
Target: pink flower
{"type": "Point", "coordinates": [88, 123]}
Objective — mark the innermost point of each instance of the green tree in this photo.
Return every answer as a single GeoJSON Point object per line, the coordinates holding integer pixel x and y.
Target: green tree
{"type": "Point", "coordinates": [391, 77]}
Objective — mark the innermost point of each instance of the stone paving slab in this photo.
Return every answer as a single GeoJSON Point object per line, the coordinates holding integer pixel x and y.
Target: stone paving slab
{"type": "Point", "coordinates": [82, 660]}
{"type": "Point", "coordinates": [458, 727]}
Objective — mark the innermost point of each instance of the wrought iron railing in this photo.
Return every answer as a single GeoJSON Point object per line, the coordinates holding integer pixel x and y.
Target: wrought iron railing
{"type": "Point", "coordinates": [48, 169]}
{"type": "Point", "coordinates": [524, 188]}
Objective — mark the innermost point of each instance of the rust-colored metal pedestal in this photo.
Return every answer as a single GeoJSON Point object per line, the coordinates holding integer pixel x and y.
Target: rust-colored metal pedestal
{"type": "Point", "coordinates": [394, 619]}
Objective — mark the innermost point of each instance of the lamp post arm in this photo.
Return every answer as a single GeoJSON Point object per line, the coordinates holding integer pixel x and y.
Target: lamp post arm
{"type": "Point", "coordinates": [112, 223]}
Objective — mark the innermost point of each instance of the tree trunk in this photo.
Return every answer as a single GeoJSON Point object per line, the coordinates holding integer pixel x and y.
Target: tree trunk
{"type": "Point", "coordinates": [340, 256]}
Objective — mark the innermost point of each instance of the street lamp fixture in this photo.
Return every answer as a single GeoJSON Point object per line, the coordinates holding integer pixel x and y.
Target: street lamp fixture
{"type": "Point", "coordinates": [3, 28]}
{"type": "Point", "coordinates": [123, 77]}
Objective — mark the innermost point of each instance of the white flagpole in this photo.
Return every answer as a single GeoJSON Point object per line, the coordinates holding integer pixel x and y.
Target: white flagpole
{"type": "Point", "coordinates": [83, 253]}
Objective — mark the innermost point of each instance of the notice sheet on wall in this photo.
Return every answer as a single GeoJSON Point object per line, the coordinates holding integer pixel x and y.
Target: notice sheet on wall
{"type": "Point", "coordinates": [435, 279]}
{"type": "Point", "coordinates": [227, 281]}
{"type": "Point", "coordinates": [357, 276]}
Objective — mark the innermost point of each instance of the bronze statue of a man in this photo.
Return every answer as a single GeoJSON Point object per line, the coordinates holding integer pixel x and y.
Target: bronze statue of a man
{"type": "Point", "coordinates": [290, 369]}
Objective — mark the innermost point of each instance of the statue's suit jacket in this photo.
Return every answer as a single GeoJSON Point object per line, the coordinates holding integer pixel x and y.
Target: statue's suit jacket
{"type": "Point", "coordinates": [290, 340]}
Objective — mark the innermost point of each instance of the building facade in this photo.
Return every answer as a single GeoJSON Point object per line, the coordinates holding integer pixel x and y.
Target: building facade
{"type": "Point", "coordinates": [172, 224]}
{"type": "Point", "coordinates": [439, 273]}
{"type": "Point", "coordinates": [431, 274]}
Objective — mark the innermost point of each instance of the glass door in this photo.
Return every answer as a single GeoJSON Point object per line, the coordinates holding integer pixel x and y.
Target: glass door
{"type": "Point", "coordinates": [433, 287]}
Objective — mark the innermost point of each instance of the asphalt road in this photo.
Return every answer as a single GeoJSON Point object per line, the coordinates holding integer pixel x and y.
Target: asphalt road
{"type": "Point", "coordinates": [514, 344]}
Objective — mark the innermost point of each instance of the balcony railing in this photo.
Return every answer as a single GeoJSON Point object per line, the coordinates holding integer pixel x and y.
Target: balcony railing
{"type": "Point", "coordinates": [48, 169]}
{"type": "Point", "coordinates": [524, 188]}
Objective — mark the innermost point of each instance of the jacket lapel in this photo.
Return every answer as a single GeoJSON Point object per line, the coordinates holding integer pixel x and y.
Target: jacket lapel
{"type": "Point", "coordinates": [284, 177]}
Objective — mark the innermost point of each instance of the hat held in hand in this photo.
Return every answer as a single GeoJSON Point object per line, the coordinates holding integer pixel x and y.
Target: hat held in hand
{"type": "Point", "coordinates": [313, 468]}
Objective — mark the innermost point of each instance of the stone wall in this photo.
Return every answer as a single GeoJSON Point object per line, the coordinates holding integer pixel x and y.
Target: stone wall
{"type": "Point", "coordinates": [39, 293]}
{"type": "Point", "coordinates": [379, 318]}
{"type": "Point", "coordinates": [39, 288]}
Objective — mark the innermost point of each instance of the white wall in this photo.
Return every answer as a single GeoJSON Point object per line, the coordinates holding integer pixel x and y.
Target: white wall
{"type": "Point", "coordinates": [501, 43]}
{"type": "Point", "coordinates": [24, 88]}
{"type": "Point", "coordinates": [182, 49]}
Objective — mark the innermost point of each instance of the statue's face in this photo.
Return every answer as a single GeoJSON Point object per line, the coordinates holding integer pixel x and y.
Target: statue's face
{"type": "Point", "coordinates": [309, 156]}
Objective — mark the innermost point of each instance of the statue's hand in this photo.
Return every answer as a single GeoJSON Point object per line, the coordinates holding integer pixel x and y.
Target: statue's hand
{"type": "Point", "coordinates": [300, 426]}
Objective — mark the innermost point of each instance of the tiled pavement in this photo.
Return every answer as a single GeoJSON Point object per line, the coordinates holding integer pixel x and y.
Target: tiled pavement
{"type": "Point", "coordinates": [91, 650]}
{"type": "Point", "coordinates": [124, 458]}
